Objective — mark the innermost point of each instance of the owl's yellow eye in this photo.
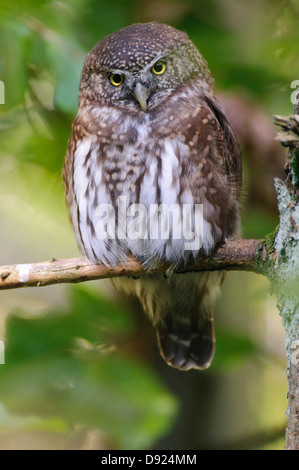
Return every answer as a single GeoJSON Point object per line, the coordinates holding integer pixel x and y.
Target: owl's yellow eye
{"type": "Point", "coordinates": [116, 79]}
{"type": "Point", "coordinates": [159, 67]}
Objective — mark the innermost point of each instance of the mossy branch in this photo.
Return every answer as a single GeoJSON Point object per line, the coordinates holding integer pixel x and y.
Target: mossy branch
{"type": "Point", "coordinates": [289, 137]}
{"type": "Point", "coordinates": [285, 282]}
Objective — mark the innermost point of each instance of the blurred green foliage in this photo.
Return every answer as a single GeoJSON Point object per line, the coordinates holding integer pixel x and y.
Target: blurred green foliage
{"type": "Point", "coordinates": [69, 369]}
{"type": "Point", "coordinates": [61, 369]}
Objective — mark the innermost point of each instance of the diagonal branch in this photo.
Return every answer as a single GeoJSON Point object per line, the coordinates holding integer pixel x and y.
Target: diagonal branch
{"type": "Point", "coordinates": [245, 255]}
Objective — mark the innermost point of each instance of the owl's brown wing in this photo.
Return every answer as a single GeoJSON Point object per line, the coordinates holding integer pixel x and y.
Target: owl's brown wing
{"type": "Point", "coordinates": [186, 338]}
{"type": "Point", "coordinates": [231, 149]}
{"type": "Point", "coordinates": [216, 171]}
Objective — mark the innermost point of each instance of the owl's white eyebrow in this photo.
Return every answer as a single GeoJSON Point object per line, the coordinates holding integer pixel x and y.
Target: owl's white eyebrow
{"type": "Point", "coordinates": [154, 61]}
{"type": "Point", "coordinates": [164, 58]}
{"type": "Point", "coordinates": [106, 71]}
{"type": "Point", "coordinates": [126, 73]}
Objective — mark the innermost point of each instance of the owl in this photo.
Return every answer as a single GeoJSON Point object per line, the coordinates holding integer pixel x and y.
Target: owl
{"type": "Point", "coordinates": [153, 171]}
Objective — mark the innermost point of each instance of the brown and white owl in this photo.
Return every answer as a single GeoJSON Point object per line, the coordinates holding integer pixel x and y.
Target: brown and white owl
{"type": "Point", "coordinates": [153, 170]}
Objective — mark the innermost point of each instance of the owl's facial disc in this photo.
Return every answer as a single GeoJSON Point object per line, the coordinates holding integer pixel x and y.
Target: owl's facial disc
{"type": "Point", "coordinates": [141, 93]}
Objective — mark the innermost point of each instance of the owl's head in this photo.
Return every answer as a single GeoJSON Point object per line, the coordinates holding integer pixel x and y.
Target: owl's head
{"type": "Point", "coordinates": [139, 65]}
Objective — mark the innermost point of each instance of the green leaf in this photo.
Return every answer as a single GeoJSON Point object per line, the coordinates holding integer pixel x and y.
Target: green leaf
{"type": "Point", "coordinates": [58, 367]}
{"type": "Point", "coordinates": [232, 350]}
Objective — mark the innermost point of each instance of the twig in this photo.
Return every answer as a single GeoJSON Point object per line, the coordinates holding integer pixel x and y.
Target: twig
{"type": "Point", "coordinates": [246, 255]}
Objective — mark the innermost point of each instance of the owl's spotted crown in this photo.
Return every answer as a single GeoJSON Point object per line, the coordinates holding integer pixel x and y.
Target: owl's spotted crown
{"type": "Point", "coordinates": [121, 67]}
{"type": "Point", "coordinates": [131, 48]}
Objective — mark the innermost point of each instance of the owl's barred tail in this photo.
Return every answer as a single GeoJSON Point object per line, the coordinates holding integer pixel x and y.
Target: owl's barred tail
{"type": "Point", "coordinates": [187, 345]}
{"type": "Point", "coordinates": [180, 308]}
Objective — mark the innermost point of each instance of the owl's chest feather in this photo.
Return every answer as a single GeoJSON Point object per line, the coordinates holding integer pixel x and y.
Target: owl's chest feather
{"type": "Point", "coordinates": [115, 173]}
{"type": "Point", "coordinates": [147, 160]}
{"type": "Point", "coordinates": [143, 164]}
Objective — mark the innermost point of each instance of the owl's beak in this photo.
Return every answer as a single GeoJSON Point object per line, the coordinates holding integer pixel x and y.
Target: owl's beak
{"type": "Point", "coordinates": [141, 93]}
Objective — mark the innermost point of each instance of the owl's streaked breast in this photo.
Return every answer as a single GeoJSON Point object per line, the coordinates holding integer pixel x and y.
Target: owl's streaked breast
{"type": "Point", "coordinates": [148, 159]}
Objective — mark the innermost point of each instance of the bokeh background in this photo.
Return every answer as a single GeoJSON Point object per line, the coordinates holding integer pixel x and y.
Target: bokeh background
{"type": "Point", "coordinates": [81, 368]}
